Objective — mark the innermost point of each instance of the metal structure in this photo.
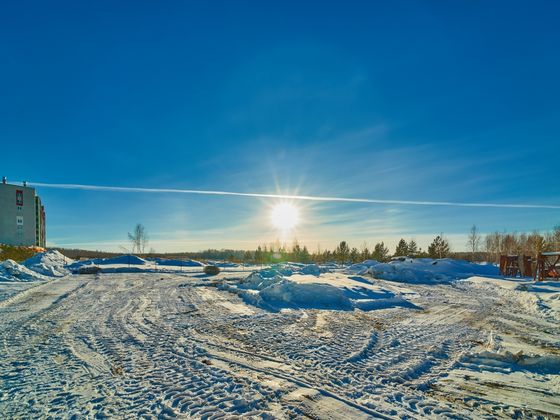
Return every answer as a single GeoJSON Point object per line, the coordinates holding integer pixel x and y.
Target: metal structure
{"type": "Point", "coordinates": [548, 266]}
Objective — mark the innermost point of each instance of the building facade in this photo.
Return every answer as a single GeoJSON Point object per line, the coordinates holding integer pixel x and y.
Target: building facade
{"type": "Point", "coordinates": [22, 216]}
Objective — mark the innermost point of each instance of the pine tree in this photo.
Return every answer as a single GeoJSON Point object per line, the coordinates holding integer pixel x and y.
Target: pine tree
{"type": "Point", "coordinates": [354, 255]}
{"type": "Point", "coordinates": [304, 256]}
{"type": "Point", "coordinates": [342, 252]}
{"type": "Point", "coordinates": [412, 248]}
{"type": "Point", "coordinates": [402, 249]}
{"type": "Point", "coordinates": [259, 256]}
{"type": "Point", "coordinates": [439, 248]}
{"type": "Point", "coordinates": [296, 252]}
{"type": "Point", "coordinates": [380, 252]}
{"type": "Point", "coordinates": [365, 255]}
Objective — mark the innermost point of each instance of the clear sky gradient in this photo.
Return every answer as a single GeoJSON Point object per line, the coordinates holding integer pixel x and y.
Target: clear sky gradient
{"type": "Point", "coordinates": [406, 100]}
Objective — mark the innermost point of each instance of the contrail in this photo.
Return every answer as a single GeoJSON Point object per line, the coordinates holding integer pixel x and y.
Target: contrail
{"type": "Point", "coordinates": [292, 197]}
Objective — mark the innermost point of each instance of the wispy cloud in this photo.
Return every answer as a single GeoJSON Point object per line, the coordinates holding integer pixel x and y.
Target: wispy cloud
{"type": "Point", "coordinates": [295, 197]}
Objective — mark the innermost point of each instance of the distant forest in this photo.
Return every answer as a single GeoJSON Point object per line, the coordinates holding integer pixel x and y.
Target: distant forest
{"type": "Point", "coordinates": [479, 248]}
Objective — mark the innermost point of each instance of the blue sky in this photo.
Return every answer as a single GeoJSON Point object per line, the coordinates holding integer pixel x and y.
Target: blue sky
{"type": "Point", "coordinates": [406, 100]}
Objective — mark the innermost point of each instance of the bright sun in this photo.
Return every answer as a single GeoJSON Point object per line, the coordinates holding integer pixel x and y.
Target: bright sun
{"type": "Point", "coordinates": [284, 216]}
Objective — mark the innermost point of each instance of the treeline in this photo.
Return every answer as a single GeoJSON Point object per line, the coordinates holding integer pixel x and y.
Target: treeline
{"type": "Point", "coordinates": [209, 254]}
{"type": "Point", "coordinates": [502, 243]}
{"type": "Point", "coordinates": [479, 248]}
{"type": "Point", "coordinates": [76, 253]}
{"type": "Point", "coordinates": [343, 253]}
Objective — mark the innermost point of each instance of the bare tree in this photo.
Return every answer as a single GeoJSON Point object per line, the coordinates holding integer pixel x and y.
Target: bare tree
{"type": "Point", "coordinates": [138, 239]}
{"type": "Point", "coordinates": [473, 242]}
{"type": "Point", "coordinates": [536, 243]}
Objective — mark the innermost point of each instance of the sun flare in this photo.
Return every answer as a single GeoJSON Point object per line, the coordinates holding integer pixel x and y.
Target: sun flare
{"type": "Point", "coordinates": [284, 216]}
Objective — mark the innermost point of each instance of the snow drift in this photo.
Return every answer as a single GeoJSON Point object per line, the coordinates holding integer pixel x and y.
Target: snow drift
{"type": "Point", "coordinates": [12, 271]}
{"type": "Point", "coordinates": [121, 259]}
{"type": "Point", "coordinates": [280, 287]}
{"type": "Point", "coordinates": [423, 270]}
{"type": "Point", "coordinates": [51, 263]}
{"type": "Point", "coordinates": [176, 263]}
{"type": "Point", "coordinates": [42, 266]}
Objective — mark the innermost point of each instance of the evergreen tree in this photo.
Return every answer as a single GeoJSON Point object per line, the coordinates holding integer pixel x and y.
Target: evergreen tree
{"type": "Point", "coordinates": [412, 248]}
{"type": "Point", "coordinates": [342, 252]}
{"type": "Point", "coordinates": [304, 256]}
{"type": "Point", "coordinates": [296, 252]}
{"type": "Point", "coordinates": [439, 248]}
{"type": "Point", "coordinates": [402, 249]}
{"type": "Point", "coordinates": [380, 252]}
{"type": "Point", "coordinates": [354, 255]}
{"type": "Point", "coordinates": [365, 255]}
{"type": "Point", "coordinates": [259, 255]}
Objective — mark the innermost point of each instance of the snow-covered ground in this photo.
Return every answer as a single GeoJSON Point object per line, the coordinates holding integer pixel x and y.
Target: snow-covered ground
{"type": "Point", "coordinates": [291, 341]}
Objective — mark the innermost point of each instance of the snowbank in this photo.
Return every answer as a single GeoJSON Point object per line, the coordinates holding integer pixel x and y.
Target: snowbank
{"type": "Point", "coordinates": [51, 263]}
{"type": "Point", "coordinates": [176, 263]}
{"type": "Point", "coordinates": [223, 264]}
{"type": "Point", "coordinates": [423, 270]}
{"type": "Point", "coordinates": [134, 264]}
{"type": "Point", "coordinates": [12, 271]}
{"type": "Point", "coordinates": [41, 267]}
{"type": "Point", "coordinates": [278, 287]}
{"type": "Point", "coordinates": [124, 260]}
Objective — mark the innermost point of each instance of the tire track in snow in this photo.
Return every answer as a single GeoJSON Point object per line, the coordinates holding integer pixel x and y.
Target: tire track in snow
{"type": "Point", "coordinates": [146, 345]}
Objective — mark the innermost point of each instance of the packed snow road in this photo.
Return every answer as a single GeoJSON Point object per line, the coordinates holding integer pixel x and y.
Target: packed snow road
{"type": "Point", "coordinates": [182, 345]}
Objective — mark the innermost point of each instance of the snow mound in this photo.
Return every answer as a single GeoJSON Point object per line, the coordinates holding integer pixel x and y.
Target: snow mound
{"type": "Point", "coordinates": [423, 270]}
{"type": "Point", "coordinates": [177, 263]}
{"type": "Point", "coordinates": [272, 289]}
{"type": "Point", "coordinates": [223, 264]}
{"type": "Point", "coordinates": [12, 271]}
{"type": "Point", "coordinates": [120, 260]}
{"type": "Point", "coordinates": [312, 295]}
{"type": "Point", "coordinates": [51, 263]}
{"type": "Point", "coordinates": [312, 269]}
{"type": "Point", "coordinates": [362, 268]}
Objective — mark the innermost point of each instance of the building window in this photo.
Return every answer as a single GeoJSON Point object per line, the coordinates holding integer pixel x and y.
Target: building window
{"type": "Point", "coordinates": [19, 198]}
